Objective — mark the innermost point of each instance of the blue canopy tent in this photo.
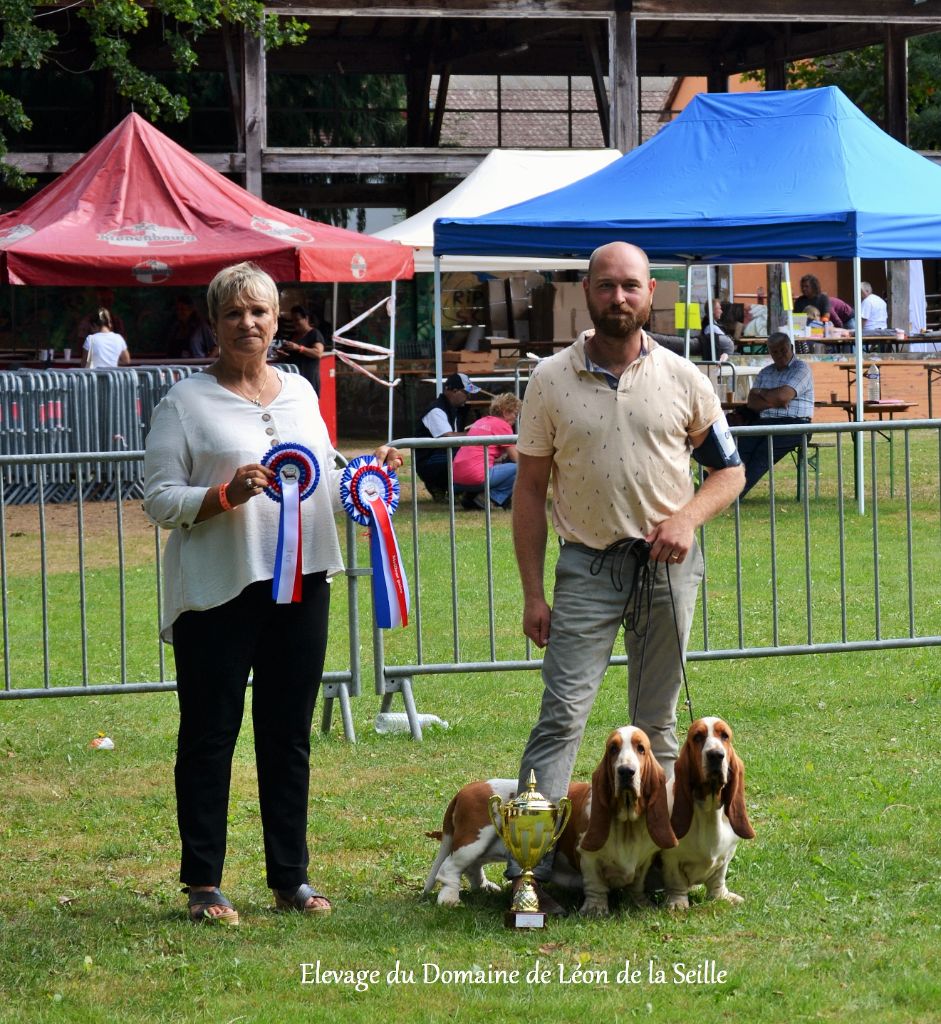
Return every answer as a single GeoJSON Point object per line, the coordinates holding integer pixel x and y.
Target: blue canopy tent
{"type": "Point", "coordinates": [737, 178]}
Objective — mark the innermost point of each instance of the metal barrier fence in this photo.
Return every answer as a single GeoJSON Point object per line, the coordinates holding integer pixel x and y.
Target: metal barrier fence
{"type": "Point", "coordinates": [45, 412]}
{"type": "Point", "coordinates": [787, 572]}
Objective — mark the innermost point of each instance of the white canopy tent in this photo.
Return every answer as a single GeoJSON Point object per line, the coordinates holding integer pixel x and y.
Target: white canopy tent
{"type": "Point", "coordinates": [505, 177]}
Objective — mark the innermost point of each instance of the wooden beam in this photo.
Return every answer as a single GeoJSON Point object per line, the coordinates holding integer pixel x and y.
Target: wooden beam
{"type": "Point", "coordinates": [776, 65]}
{"type": "Point", "coordinates": [458, 162]}
{"type": "Point", "coordinates": [717, 80]}
{"type": "Point", "coordinates": [776, 312]}
{"type": "Point", "coordinates": [625, 129]}
{"type": "Point", "coordinates": [873, 12]}
{"type": "Point", "coordinates": [590, 36]}
{"type": "Point", "coordinates": [897, 288]}
{"type": "Point", "coordinates": [895, 70]}
{"type": "Point", "coordinates": [254, 109]}
{"type": "Point", "coordinates": [441, 102]}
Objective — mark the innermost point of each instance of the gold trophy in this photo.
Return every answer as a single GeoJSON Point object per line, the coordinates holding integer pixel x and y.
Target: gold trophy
{"type": "Point", "coordinates": [529, 826]}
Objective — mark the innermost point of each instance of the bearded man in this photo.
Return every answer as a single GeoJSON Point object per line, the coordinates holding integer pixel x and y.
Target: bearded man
{"type": "Point", "coordinates": [612, 421]}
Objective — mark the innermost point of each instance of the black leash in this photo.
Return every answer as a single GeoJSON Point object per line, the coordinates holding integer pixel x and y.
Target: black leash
{"type": "Point", "coordinates": [640, 587]}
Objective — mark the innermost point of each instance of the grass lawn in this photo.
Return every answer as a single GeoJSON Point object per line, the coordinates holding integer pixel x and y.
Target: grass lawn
{"type": "Point", "coordinates": [841, 884]}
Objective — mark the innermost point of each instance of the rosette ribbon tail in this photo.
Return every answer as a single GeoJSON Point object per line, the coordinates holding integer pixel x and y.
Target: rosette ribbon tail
{"type": "Point", "coordinates": [287, 566]}
{"type": "Point", "coordinates": [390, 587]}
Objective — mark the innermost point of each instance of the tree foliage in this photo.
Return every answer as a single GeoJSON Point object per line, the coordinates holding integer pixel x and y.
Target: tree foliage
{"type": "Point", "coordinates": [27, 42]}
{"type": "Point", "coordinates": [859, 73]}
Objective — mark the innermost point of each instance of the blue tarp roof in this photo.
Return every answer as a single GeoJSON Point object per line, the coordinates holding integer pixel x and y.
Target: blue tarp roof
{"type": "Point", "coordinates": [736, 178]}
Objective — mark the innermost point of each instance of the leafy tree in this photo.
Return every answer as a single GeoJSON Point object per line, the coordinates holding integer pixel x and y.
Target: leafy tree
{"type": "Point", "coordinates": [859, 74]}
{"type": "Point", "coordinates": [27, 42]}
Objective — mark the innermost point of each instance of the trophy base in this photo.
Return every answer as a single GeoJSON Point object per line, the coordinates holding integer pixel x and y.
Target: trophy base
{"type": "Point", "coordinates": [525, 920]}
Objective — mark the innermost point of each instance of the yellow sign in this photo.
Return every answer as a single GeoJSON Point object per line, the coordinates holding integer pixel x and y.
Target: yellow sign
{"type": "Point", "coordinates": [679, 313]}
{"type": "Point", "coordinates": [786, 301]}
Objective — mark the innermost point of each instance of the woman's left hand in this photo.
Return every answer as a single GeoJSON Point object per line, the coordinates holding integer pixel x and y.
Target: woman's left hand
{"type": "Point", "coordinates": [386, 455]}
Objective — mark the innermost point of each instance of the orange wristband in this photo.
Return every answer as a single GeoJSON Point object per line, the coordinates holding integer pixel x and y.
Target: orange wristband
{"type": "Point", "coordinates": [223, 500]}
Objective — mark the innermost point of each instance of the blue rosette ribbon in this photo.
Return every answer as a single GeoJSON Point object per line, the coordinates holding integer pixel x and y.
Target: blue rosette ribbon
{"type": "Point", "coordinates": [370, 494]}
{"type": "Point", "coordinates": [296, 475]}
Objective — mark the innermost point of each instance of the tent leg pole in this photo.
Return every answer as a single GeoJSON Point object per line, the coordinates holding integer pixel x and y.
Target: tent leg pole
{"type": "Point", "coordinates": [439, 348]}
{"type": "Point", "coordinates": [860, 392]}
{"type": "Point", "coordinates": [689, 289]}
{"type": "Point", "coordinates": [391, 358]}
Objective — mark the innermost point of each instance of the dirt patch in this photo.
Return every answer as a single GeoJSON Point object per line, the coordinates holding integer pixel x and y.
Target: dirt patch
{"type": "Point", "coordinates": [100, 532]}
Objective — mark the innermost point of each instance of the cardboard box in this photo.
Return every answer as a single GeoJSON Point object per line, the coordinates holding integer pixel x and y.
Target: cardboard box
{"type": "Point", "coordinates": [468, 362]}
{"type": "Point", "coordinates": [666, 294]}
{"type": "Point", "coordinates": [663, 315]}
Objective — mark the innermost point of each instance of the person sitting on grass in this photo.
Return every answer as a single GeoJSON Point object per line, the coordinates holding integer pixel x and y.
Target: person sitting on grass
{"type": "Point", "coordinates": [445, 417]}
{"type": "Point", "coordinates": [469, 464]}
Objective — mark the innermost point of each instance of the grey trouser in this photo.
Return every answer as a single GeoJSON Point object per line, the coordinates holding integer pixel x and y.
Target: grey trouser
{"type": "Point", "coordinates": [587, 611]}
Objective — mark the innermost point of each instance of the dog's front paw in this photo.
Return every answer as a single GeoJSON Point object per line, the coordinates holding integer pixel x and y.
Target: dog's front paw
{"type": "Point", "coordinates": [730, 897]}
{"type": "Point", "coordinates": [487, 886]}
{"type": "Point", "coordinates": [677, 901]}
{"type": "Point", "coordinates": [449, 897]}
{"type": "Point", "coordinates": [594, 907]}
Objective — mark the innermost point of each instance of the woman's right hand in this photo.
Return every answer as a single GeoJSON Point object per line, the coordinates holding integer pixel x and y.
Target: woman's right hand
{"type": "Point", "coordinates": [248, 481]}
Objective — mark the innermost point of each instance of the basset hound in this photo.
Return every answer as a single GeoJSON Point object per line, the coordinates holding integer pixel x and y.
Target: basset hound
{"type": "Point", "coordinates": [618, 824]}
{"type": "Point", "coordinates": [707, 812]}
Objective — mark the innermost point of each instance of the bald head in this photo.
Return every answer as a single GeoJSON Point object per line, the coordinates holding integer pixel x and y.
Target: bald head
{"type": "Point", "coordinates": [617, 251]}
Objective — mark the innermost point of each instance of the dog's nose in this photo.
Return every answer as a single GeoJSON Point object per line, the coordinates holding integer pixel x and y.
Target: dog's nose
{"type": "Point", "coordinates": [715, 757]}
{"type": "Point", "coordinates": [626, 774]}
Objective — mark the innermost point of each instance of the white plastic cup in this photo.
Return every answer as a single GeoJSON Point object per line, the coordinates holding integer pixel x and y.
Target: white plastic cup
{"type": "Point", "coordinates": [66, 353]}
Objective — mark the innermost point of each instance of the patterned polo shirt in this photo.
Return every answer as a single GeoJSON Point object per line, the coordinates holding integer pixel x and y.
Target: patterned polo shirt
{"type": "Point", "coordinates": [797, 375]}
{"type": "Point", "coordinates": [620, 456]}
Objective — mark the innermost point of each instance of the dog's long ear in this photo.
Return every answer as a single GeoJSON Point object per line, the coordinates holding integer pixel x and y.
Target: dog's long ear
{"type": "Point", "coordinates": [682, 816]}
{"type": "Point", "coordinates": [602, 797]}
{"type": "Point", "coordinates": [654, 792]}
{"type": "Point", "coordinates": [733, 798]}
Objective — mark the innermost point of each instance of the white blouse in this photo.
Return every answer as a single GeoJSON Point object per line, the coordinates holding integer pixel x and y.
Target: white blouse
{"type": "Point", "coordinates": [200, 434]}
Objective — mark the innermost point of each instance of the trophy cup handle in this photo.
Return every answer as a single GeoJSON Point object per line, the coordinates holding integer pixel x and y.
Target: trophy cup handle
{"type": "Point", "coordinates": [494, 805]}
{"type": "Point", "coordinates": [565, 812]}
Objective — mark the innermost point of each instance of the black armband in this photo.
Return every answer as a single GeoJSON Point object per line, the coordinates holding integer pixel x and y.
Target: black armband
{"type": "Point", "coordinates": [718, 450]}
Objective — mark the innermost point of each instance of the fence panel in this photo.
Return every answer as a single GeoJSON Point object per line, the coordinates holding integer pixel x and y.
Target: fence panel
{"type": "Point", "coordinates": [788, 571]}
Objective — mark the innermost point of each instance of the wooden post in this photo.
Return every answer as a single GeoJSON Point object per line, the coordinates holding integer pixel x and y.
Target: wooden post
{"type": "Point", "coordinates": [895, 71]}
{"type": "Point", "coordinates": [897, 280]}
{"type": "Point", "coordinates": [895, 68]}
{"type": "Point", "coordinates": [777, 314]}
{"type": "Point", "coordinates": [625, 129]}
{"type": "Point", "coordinates": [775, 66]}
{"type": "Point", "coordinates": [254, 108]}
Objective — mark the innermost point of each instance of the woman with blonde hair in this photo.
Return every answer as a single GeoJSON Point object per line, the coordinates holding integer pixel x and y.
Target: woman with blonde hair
{"type": "Point", "coordinates": [470, 469]}
{"type": "Point", "coordinates": [206, 479]}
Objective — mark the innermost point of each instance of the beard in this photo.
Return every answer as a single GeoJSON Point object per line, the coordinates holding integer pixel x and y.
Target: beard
{"type": "Point", "coordinates": [620, 323]}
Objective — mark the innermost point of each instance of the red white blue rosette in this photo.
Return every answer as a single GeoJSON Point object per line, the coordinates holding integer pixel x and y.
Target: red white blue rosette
{"type": "Point", "coordinates": [370, 494]}
{"type": "Point", "coordinates": [296, 475]}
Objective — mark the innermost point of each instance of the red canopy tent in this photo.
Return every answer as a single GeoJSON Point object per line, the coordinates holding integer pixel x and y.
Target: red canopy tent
{"type": "Point", "coordinates": [138, 209]}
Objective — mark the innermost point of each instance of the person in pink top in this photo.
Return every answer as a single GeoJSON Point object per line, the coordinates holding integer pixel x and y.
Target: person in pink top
{"type": "Point", "coordinates": [470, 470]}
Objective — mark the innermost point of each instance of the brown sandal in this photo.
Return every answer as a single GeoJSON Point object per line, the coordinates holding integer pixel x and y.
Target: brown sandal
{"type": "Point", "coordinates": [200, 900]}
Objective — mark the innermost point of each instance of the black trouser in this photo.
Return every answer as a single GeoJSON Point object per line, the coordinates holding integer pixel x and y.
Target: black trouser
{"type": "Point", "coordinates": [284, 647]}
{"type": "Point", "coordinates": [431, 465]}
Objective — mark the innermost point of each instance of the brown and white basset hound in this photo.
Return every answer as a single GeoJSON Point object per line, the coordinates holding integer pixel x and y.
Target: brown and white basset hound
{"type": "Point", "coordinates": [707, 812]}
{"type": "Point", "coordinates": [619, 822]}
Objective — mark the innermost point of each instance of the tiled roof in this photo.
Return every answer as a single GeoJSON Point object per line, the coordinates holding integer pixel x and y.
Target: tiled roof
{"type": "Point", "coordinates": [535, 116]}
